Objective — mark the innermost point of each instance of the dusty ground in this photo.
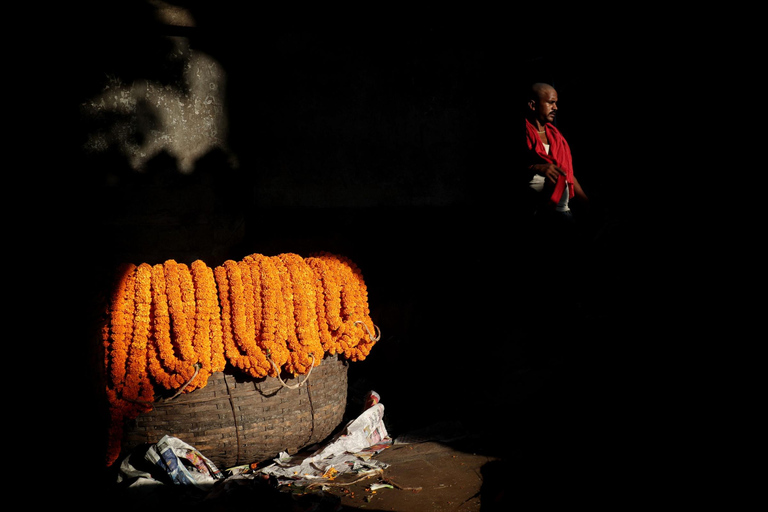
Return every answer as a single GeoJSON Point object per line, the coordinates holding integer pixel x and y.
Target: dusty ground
{"type": "Point", "coordinates": [423, 476]}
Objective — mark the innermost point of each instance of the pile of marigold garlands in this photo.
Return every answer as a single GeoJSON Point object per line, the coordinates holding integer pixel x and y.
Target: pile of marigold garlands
{"type": "Point", "coordinates": [170, 326]}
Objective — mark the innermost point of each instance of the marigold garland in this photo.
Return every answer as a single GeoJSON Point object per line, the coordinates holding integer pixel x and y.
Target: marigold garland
{"type": "Point", "coordinates": [354, 340]}
{"type": "Point", "coordinates": [164, 361]}
{"type": "Point", "coordinates": [326, 295]}
{"type": "Point", "coordinates": [306, 349]}
{"type": "Point", "coordinates": [240, 347]}
{"type": "Point", "coordinates": [272, 335]}
{"type": "Point", "coordinates": [181, 336]}
{"type": "Point", "coordinates": [170, 326]}
{"type": "Point", "coordinates": [218, 358]}
{"type": "Point", "coordinates": [189, 305]}
{"type": "Point", "coordinates": [204, 296]}
{"type": "Point", "coordinates": [285, 311]}
{"type": "Point", "coordinates": [137, 386]}
{"type": "Point", "coordinates": [121, 316]}
{"type": "Point", "coordinates": [160, 329]}
{"type": "Point", "coordinates": [252, 284]}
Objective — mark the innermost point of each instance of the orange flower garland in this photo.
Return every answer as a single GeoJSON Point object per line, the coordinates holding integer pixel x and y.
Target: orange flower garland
{"type": "Point", "coordinates": [306, 350]}
{"type": "Point", "coordinates": [180, 325]}
{"type": "Point", "coordinates": [171, 325]}
{"type": "Point", "coordinates": [241, 350]}
{"type": "Point", "coordinates": [326, 303]}
{"type": "Point", "coordinates": [160, 330]}
{"type": "Point", "coordinates": [121, 316]}
{"type": "Point", "coordinates": [228, 345]}
{"type": "Point", "coordinates": [116, 345]}
{"type": "Point", "coordinates": [218, 358]}
{"type": "Point", "coordinates": [189, 305]}
{"type": "Point", "coordinates": [164, 363]}
{"type": "Point", "coordinates": [252, 289]}
{"type": "Point", "coordinates": [355, 329]}
{"type": "Point", "coordinates": [137, 386]}
{"type": "Point", "coordinates": [204, 297]}
{"type": "Point", "coordinates": [361, 314]}
{"type": "Point", "coordinates": [272, 333]}
{"type": "Point", "coordinates": [285, 325]}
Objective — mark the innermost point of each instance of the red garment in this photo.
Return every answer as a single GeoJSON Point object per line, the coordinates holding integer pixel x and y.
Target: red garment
{"type": "Point", "coordinates": [559, 154]}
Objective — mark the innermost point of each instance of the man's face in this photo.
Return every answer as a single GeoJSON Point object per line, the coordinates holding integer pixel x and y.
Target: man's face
{"type": "Point", "coordinates": [546, 108]}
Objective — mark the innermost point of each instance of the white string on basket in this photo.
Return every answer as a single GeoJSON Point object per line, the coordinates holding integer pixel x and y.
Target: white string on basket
{"type": "Point", "coordinates": [297, 386]}
{"type": "Point", "coordinates": [197, 367]}
{"type": "Point", "coordinates": [371, 336]}
{"type": "Point", "coordinates": [182, 388]}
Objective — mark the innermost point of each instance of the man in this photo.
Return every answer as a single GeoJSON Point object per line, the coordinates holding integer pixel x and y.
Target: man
{"type": "Point", "coordinates": [554, 238]}
{"type": "Point", "coordinates": [551, 256]}
{"type": "Point", "coordinates": [549, 161]}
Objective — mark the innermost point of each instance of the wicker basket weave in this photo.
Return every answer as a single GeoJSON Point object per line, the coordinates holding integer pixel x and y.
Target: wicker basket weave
{"type": "Point", "coordinates": [236, 420]}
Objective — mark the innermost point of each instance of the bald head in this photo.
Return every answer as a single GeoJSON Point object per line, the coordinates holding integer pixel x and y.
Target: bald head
{"type": "Point", "coordinates": [542, 103]}
{"type": "Point", "coordinates": [539, 89]}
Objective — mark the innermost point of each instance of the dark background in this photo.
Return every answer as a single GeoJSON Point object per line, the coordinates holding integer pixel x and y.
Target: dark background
{"type": "Point", "coordinates": [389, 137]}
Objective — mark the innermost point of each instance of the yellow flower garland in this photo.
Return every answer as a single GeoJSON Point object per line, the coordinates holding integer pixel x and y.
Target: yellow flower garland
{"type": "Point", "coordinates": [171, 325]}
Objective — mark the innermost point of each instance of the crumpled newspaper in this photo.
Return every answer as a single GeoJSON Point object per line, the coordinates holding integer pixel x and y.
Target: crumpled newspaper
{"type": "Point", "coordinates": [350, 452]}
{"type": "Point", "coordinates": [183, 463]}
{"type": "Point", "coordinates": [173, 460]}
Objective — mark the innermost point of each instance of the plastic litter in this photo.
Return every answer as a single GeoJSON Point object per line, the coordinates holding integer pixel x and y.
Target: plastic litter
{"type": "Point", "coordinates": [349, 452]}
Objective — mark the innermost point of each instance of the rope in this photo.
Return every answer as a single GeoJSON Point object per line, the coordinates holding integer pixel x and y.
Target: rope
{"type": "Point", "coordinates": [181, 389]}
{"type": "Point", "coordinates": [277, 370]}
{"type": "Point", "coordinates": [197, 367]}
{"type": "Point", "coordinates": [371, 336]}
{"type": "Point", "coordinates": [297, 386]}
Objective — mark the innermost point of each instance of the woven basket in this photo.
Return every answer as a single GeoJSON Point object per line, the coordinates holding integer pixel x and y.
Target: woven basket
{"type": "Point", "coordinates": [236, 420]}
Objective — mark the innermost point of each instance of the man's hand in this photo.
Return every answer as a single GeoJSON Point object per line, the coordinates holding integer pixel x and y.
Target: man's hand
{"type": "Point", "coordinates": [550, 171]}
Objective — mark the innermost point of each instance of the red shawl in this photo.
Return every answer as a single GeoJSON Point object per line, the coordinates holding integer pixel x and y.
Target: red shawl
{"type": "Point", "coordinates": [559, 154]}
